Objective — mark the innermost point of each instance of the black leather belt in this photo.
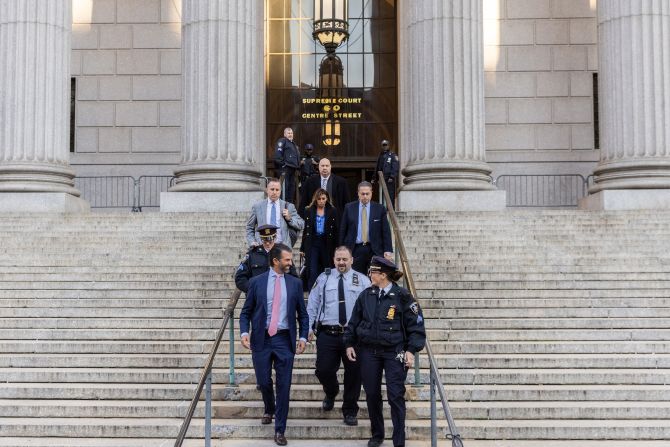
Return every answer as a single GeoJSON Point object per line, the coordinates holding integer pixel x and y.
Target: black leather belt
{"type": "Point", "coordinates": [332, 330]}
{"type": "Point", "coordinates": [279, 332]}
{"type": "Point", "coordinates": [364, 244]}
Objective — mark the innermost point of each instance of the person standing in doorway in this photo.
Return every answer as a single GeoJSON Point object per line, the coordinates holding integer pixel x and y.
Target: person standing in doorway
{"type": "Point", "coordinates": [388, 163]}
{"type": "Point", "coordinates": [287, 162]}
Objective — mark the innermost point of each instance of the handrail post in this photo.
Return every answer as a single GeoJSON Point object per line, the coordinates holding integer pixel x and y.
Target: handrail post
{"type": "Point", "coordinates": [231, 374]}
{"type": "Point", "coordinates": [207, 369]}
{"type": "Point", "coordinates": [433, 411]}
{"type": "Point", "coordinates": [136, 196]}
{"type": "Point", "coordinates": [208, 410]}
{"type": "Point", "coordinates": [417, 372]}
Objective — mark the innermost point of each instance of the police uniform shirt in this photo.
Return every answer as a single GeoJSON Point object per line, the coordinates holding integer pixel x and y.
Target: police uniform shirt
{"type": "Point", "coordinates": [354, 284]}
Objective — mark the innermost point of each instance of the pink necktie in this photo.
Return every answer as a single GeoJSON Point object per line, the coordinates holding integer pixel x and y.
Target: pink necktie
{"type": "Point", "coordinates": [276, 302]}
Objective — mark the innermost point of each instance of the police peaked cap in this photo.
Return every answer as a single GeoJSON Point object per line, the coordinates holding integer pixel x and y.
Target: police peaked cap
{"type": "Point", "coordinates": [309, 147]}
{"type": "Point", "coordinates": [381, 264]}
{"type": "Point", "coordinates": [267, 231]}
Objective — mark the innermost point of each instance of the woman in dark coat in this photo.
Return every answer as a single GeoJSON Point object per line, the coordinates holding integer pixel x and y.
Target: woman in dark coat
{"type": "Point", "coordinates": [320, 236]}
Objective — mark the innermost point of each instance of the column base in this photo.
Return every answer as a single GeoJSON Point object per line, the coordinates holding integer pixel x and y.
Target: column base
{"type": "Point", "coordinates": [627, 199]}
{"type": "Point", "coordinates": [452, 200]}
{"type": "Point", "coordinates": [42, 202]}
{"type": "Point", "coordinates": [209, 202]}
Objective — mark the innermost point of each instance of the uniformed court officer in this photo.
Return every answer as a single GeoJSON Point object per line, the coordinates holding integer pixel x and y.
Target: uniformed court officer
{"type": "Point", "coordinates": [388, 163]}
{"type": "Point", "coordinates": [309, 164]}
{"type": "Point", "coordinates": [385, 330]}
{"type": "Point", "coordinates": [331, 302]}
{"type": "Point", "coordinates": [287, 161]}
{"type": "Point", "coordinates": [257, 260]}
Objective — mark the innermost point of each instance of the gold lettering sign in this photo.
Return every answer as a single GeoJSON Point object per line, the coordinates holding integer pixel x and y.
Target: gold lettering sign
{"type": "Point", "coordinates": [331, 108]}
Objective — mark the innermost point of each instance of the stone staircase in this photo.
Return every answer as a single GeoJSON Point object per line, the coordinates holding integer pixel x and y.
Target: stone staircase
{"type": "Point", "coordinates": [551, 328]}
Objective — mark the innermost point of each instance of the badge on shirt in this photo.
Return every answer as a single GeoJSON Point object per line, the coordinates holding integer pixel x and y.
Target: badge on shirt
{"type": "Point", "coordinates": [414, 307]}
{"type": "Point", "coordinates": [388, 160]}
{"type": "Point", "coordinates": [354, 280]}
{"type": "Point", "coordinates": [391, 313]}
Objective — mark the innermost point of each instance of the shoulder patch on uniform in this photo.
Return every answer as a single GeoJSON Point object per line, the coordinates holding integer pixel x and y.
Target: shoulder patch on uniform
{"type": "Point", "coordinates": [241, 267]}
{"type": "Point", "coordinates": [396, 158]}
{"type": "Point", "coordinates": [419, 320]}
{"type": "Point", "coordinates": [414, 307]}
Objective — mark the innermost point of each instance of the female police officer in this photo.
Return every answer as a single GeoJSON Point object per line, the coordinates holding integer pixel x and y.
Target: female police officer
{"type": "Point", "coordinates": [386, 329]}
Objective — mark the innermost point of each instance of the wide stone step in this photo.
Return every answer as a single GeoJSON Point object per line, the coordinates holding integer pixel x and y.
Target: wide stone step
{"type": "Point", "coordinates": [185, 347]}
{"type": "Point", "coordinates": [307, 361]}
{"type": "Point", "coordinates": [334, 429]}
{"type": "Point", "coordinates": [247, 375]}
{"type": "Point", "coordinates": [236, 442]}
{"type": "Point", "coordinates": [312, 409]}
{"type": "Point", "coordinates": [313, 392]}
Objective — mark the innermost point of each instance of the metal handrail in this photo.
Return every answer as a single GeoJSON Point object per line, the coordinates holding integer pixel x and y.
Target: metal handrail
{"type": "Point", "coordinates": [205, 377]}
{"type": "Point", "coordinates": [435, 379]}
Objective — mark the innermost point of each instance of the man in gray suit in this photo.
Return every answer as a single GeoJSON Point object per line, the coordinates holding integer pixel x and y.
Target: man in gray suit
{"type": "Point", "coordinates": [277, 212]}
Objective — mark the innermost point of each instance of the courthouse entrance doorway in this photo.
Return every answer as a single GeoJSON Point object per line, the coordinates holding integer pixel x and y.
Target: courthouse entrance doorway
{"type": "Point", "coordinates": [346, 123]}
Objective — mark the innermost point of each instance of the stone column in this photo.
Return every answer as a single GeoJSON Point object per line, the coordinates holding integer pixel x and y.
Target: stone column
{"type": "Point", "coordinates": [223, 133]}
{"type": "Point", "coordinates": [442, 107]}
{"type": "Point", "coordinates": [35, 174]}
{"type": "Point", "coordinates": [634, 81]}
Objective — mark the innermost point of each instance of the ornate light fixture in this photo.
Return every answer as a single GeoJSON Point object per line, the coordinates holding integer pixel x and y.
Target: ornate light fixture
{"type": "Point", "coordinates": [331, 28]}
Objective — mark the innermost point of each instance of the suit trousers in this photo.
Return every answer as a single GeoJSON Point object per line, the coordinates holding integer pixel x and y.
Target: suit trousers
{"type": "Point", "coordinates": [362, 256]}
{"type": "Point", "coordinates": [329, 350]}
{"type": "Point", "coordinates": [276, 352]}
{"type": "Point", "coordinates": [289, 184]}
{"type": "Point", "coordinates": [373, 363]}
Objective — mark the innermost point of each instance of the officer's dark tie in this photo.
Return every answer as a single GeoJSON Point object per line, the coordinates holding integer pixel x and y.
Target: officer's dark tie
{"type": "Point", "coordinates": [381, 294]}
{"type": "Point", "coordinates": [340, 295]}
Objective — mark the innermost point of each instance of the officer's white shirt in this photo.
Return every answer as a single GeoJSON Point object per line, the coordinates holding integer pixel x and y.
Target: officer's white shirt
{"type": "Point", "coordinates": [354, 283]}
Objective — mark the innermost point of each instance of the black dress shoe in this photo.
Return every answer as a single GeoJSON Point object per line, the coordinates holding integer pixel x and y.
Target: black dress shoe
{"type": "Point", "coordinates": [350, 419]}
{"type": "Point", "coordinates": [375, 442]}
{"type": "Point", "coordinates": [327, 404]}
{"type": "Point", "coordinates": [266, 419]}
{"type": "Point", "coordinates": [280, 439]}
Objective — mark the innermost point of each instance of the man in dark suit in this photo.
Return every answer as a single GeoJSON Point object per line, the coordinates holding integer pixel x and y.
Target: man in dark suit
{"type": "Point", "coordinates": [334, 184]}
{"type": "Point", "coordinates": [273, 302]}
{"type": "Point", "coordinates": [365, 229]}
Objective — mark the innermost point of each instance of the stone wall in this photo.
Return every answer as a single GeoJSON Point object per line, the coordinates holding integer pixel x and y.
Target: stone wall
{"type": "Point", "coordinates": [540, 56]}
{"type": "Point", "coordinates": [127, 60]}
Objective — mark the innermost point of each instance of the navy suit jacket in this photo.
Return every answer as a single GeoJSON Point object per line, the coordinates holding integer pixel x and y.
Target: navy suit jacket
{"type": "Point", "coordinates": [255, 310]}
{"type": "Point", "coordinates": [379, 230]}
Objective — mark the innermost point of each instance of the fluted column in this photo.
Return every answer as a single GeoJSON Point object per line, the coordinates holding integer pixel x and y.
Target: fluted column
{"type": "Point", "coordinates": [35, 98]}
{"type": "Point", "coordinates": [223, 96]}
{"type": "Point", "coordinates": [442, 101]}
{"type": "Point", "coordinates": [634, 79]}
